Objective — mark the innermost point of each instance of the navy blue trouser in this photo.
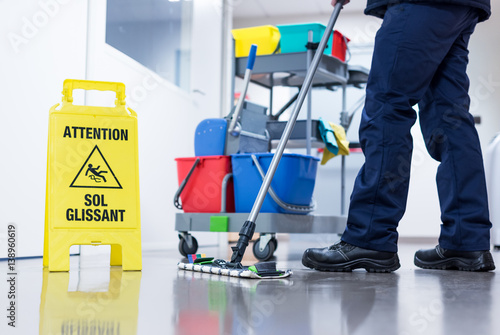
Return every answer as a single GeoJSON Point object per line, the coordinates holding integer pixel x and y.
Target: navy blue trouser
{"type": "Point", "coordinates": [420, 57]}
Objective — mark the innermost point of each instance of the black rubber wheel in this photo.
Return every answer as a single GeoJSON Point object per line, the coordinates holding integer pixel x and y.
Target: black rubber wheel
{"type": "Point", "coordinates": [265, 254]}
{"type": "Point", "coordinates": [275, 241]}
{"type": "Point", "coordinates": [185, 250]}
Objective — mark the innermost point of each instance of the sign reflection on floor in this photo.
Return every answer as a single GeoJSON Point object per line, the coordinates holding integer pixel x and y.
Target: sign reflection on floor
{"type": "Point", "coordinates": [90, 311]}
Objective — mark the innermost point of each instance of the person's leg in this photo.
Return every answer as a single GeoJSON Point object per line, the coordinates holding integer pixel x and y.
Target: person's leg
{"type": "Point", "coordinates": [409, 47]}
{"type": "Point", "coordinates": [451, 138]}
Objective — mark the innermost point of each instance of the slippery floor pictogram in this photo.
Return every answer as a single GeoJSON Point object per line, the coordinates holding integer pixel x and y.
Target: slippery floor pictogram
{"type": "Point", "coordinates": [98, 173]}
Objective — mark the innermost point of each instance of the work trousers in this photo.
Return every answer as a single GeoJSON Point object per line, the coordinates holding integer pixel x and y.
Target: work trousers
{"type": "Point", "coordinates": [420, 57]}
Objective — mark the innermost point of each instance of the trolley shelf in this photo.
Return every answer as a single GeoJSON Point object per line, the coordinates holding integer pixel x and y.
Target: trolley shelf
{"type": "Point", "coordinates": [290, 69]}
{"type": "Point", "coordinates": [358, 75]}
{"type": "Point", "coordinates": [266, 223]}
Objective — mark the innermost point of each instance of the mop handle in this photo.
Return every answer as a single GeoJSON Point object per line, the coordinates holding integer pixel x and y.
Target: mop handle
{"type": "Point", "coordinates": [246, 81]}
{"type": "Point", "coordinates": [291, 123]}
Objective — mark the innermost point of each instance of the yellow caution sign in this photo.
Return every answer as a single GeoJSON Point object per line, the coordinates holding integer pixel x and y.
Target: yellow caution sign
{"type": "Point", "coordinates": [92, 179]}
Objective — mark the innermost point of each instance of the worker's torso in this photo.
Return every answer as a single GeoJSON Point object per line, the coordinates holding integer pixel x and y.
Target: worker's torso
{"type": "Point", "coordinates": [378, 7]}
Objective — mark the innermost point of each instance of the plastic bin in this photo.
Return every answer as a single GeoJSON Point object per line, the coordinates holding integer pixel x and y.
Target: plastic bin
{"type": "Point", "coordinates": [203, 190]}
{"type": "Point", "coordinates": [267, 39]}
{"type": "Point", "coordinates": [294, 37]}
{"type": "Point", "coordinates": [293, 181]}
{"type": "Point", "coordinates": [339, 45]}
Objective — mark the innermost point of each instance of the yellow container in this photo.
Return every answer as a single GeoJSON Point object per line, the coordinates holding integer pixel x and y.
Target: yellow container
{"type": "Point", "coordinates": [267, 39]}
{"type": "Point", "coordinates": [92, 179]}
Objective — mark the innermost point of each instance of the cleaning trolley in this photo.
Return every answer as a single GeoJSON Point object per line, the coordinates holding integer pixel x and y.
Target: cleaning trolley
{"type": "Point", "coordinates": [238, 181]}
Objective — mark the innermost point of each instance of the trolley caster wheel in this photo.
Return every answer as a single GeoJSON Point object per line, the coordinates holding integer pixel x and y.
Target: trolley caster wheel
{"type": "Point", "coordinates": [184, 247]}
{"type": "Point", "coordinates": [265, 254]}
{"type": "Point", "coordinates": [275, 241]}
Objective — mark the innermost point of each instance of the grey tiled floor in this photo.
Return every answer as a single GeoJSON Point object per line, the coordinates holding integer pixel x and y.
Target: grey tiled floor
{"type": "Point", "coordinates": [96, 299]}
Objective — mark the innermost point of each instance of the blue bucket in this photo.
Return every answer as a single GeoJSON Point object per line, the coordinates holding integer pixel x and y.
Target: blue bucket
{"type": "Point", "coordinates": [293, 181]}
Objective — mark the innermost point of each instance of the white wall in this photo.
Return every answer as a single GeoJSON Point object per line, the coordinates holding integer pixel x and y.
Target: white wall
{"type": "Point", "coordinates": [422, 217]}
{"type": "Point", "coordinates": [484, 70]}
{"type": "Point", "coordinates": [167, 115]}
{"type": "Point", "coordinates": [43, 43]}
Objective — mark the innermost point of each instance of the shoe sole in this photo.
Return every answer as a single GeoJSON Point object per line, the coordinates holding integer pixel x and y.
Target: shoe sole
{"type": "Point", "coordinates": [481, 264]}
{"type": "Point", "coordinates": [370, 265]}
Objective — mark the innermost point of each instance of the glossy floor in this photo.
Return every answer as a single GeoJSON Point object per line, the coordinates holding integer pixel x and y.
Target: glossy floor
{"type": "Point", "coordinates": [96, 299]}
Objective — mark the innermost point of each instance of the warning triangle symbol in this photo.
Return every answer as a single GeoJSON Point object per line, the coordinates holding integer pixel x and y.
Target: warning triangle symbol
{"type": "Point", "coordinates": [96, 173]}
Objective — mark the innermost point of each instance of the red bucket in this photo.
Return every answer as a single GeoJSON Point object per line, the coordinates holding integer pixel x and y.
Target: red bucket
{"type": "Point", "coordinates": [339, 45]}
{"type": "Point", "coordinates": [203, 190]}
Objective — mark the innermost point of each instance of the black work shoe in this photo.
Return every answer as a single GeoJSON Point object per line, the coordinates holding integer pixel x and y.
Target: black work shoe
{"type": "Point", "coordinates": [443, 259]}
{"type": "Point", "coordinates": [347, 257]}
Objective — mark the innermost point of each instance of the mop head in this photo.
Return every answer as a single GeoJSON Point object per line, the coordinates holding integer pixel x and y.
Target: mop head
{"type": "Point", "coordinates": [265, 270]}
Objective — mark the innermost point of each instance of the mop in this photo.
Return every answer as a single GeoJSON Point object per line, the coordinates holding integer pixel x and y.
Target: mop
{"type": "Point", "coordinates": [263, 270]}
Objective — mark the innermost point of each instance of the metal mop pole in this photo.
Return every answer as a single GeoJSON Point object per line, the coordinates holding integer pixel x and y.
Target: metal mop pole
{"type": "Point", "coordinates": [248, 228]}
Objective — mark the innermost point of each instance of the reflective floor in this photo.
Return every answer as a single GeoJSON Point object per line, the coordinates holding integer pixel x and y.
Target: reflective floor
{"type": "Point", "coordinates": [96, 299]}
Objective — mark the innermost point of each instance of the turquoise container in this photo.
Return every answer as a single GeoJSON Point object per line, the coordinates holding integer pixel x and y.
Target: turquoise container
{"type": "Point", "coordinates": [294, 37]}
